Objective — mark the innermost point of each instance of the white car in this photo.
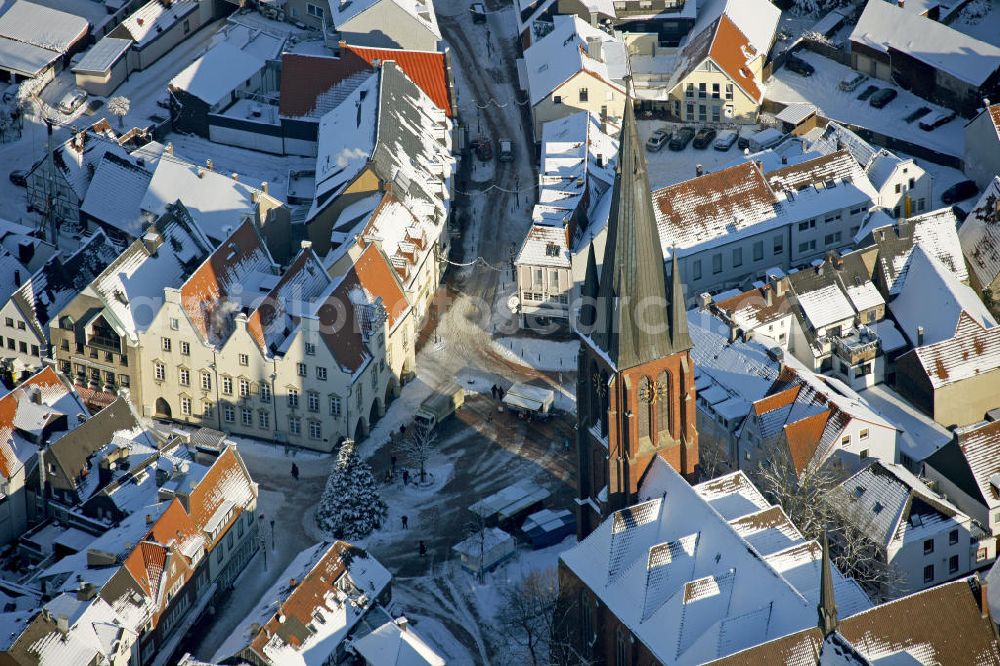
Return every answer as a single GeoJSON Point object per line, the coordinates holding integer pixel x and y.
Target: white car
{"type": "Point", "coordinates": [850, 82]}
{"type": "Point", "coordinates": [725, 140]}
{"type": "Point", "coordinates": [659, 139]}
{"type": "Point", "coordinates": [72, 101]}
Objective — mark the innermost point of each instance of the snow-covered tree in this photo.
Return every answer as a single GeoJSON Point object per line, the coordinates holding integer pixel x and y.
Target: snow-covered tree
{"type": "Point", "coordinates": [416, 448]}
{"type": "Point", "coordinates": [351, 507]}
{"type": "Point", "coordinates": [119, 105]}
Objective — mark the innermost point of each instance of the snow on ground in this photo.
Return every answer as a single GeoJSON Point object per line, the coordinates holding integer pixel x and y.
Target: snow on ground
{"type": "Point", "coordinates": [943, 177]}
{"type": "Point", "coordinates": [541, 354]}
{"type": "Point", "coordinates": [667, 167]}
{"type": "Point", "coordinates": [980, 19]}
{"type": "Point", "coordinates": [821, 90]}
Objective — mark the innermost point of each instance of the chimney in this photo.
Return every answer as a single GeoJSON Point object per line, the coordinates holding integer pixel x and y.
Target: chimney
{"type": "Point", "coordinates": [169, 149]}
{"type": "Point", "coordinates": [25, 251]}
{"type": "Point", "coordinates": [778, 284]}
{"type": "Point", "coordinates": [402, 623]}
{"type": "Point", "coordinates": [201, 172]}
{"type": "Point", "coordinates": [264, 187]}
{"type": "Point", "coordinates": [595, 49]}
{"type": "Point", "coordinates": [86, 591]}
{"type": "Point", "coordinates": [984, 602]}
{"type": "Point", "coordinates": [784, 160]}
{"type": "Point", "coordinates": [920, 336]}
{"type": "Point", "coordinates": [17, 278]}
{"type": "Point", "coordinates": [306, 245]}
{"type": "Point", "coordinates": [704, 300]}
{"type": "Point", "coordinates": [901, 3]}
{"type": "Point", "coordinates": [699, 170]}
{"type": "Point", "coordinates": [210, 164]}
{"type": "Point", "coordinates": [62, 624]}
{"type": "Point", "coordinates": [734, 333]}
{"type": "Point", "coordinates": [768, 294]}
{"type": "Point", "coordinates": [236, 177]}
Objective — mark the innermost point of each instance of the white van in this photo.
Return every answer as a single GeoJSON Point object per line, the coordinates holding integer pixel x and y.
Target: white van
{"type": "Point", "coordinates": [764, 139]}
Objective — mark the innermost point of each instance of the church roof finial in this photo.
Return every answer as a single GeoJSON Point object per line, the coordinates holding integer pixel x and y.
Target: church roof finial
{"type": "Point", "coordinates": [827, 602]}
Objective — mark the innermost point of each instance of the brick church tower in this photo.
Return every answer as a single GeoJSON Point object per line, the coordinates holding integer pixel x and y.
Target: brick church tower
{"type": "Point", "coordinates": [635, 385]}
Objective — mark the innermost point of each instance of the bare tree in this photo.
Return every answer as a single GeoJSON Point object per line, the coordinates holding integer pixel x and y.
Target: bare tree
{"type": "Point", "coordinates": [417, 447]}
{"type": "Point", "coordinates": [119, 106]}
{"type": "Point", "coordinates": [815, 503]}
{"type": "Point", "coordinates": [713, 460]}
{"type": "Point", "coordinates": [532, 622]}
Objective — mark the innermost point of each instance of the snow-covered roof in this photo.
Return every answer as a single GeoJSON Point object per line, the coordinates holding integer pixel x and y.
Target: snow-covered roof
{"type": "Point", "coordinates": [311, 608]}
{"type": "Point", "coordinates": [757, 19]}
{"type": "Point", "coordinates": [77, 158]}
{"type": "Point", "coordinates": [212, 77]}
{"type": "Point", "coordinates": [116, 192]}
{"type": "Point", "coordinates": [883, 165]}
{"type": "Point", "coordinates": [933, 298]}
{"type": "Point", "coordinates": [42, 26]}
{"type": "Point", "coordinates": [396, 643]}
{"type": "Point", "coordinates": [302, 288]}
{"type": "Point", "coordinates": [934, 231]}
{"type": "Point", "coordinates": [884, 25]}
{"type": "Point", "coordinates": [154, 18]}
{"type": "Point", "coordinates": [688, 584]}
{"type": "Point", "coordinates": [407, 240]}
{"type": "Point", "coordinates": [972, 461]}
{"type": "Point", "coordinates": [972, 350]}
{"type": "Point", "coordinates": [919, 435]}
{"type": "Point", "coordinates": [544, 246]}
{"type": "Point", "coordinates": [836, 137]}
{"type": "Point", "coordinates": [554, 59]}
{"type": "Point", "coordinates": [103, 55]}
{"type": "Point", "coordinates": [980, 235]}
{"type": "Point", "coordinates": [826, 305]}
{"type": "Point", "coordinates": [796, 113]}
{"type": "Point", "coordinates": [342, 12]}
{"type": "Point", "coordinates": [216, 201]}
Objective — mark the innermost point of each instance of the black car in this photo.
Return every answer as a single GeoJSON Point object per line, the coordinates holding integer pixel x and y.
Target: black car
{"type": "Point", "coordinates": [960, 191]}
{"type": "Point", "coordinates": [867, 92]}
{"type": "Point", "coordinates": [882, 97]}
{"type": "Point", "coordinates": [917, 115]}
{"type": "Point", "coordinates": [681, 138]}
{"type": "Point", "coordinates": [799, 66]}
{"type": "Point", "coordinates": [703, 139]}
{"type": "Point", "coordinates": [19, 177]}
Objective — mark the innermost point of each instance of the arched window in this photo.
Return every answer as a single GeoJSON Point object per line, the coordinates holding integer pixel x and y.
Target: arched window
{"type": "Point", "coordinates": [586, 621]}
{"type": "Point", "coordinates": [663, 400]}
{"type": "Point", "coordinates": [644, 404]}
{"type": "Point", "coordinates": [605, 403]}
{"type": "Point", "coordinates": [593, 381]}
{"type": "Point", "coordinates": [621, 647]}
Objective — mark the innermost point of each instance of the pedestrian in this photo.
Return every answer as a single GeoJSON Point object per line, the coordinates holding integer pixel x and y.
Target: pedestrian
{"type": "Point", "coordinates": [500, 392]}
{"type": "Point", "coordinates": [406, 476]}
{"type": "Point", "coordinates": [493, 390]}
{"type": "Point", "coordinates": [392, 462]}
{"type": "Point", "coordinates": [388, 476]}
{"type": "Point", "coordinates": [295, 471]}
{"type": "Point", "coordinates": [423, 549]}
{"type": "Point", "coordinates": [402, 430]}
{"type": "Point", "coordinates": [406, 521]}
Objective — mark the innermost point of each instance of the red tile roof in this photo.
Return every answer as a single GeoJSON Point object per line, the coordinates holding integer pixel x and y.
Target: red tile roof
{"type": "Point", "coordinates": [774, 401]}
{"type": "Point", "coordinates": [803, 437]}
{"type": "Point", "coordinates": [428, 69]}
{"type": "Point", "coordinates": [995, 115]}
{"type": "Point", "coordinates": [226, 479]}
{"type": "Point", "coordinates": [729, 51]}
{"type": "Point", "coordinates": [304, 78]}
{"type": "Point", "coordinates": [145, 563]}
{"type": "Point", "coordinates": [174, 524]}
{"type": "Point", "coordinates": [51, 387]}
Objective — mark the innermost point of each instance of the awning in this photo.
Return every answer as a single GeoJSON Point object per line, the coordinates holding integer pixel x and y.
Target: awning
{"type": "Point", "coordinates": [521, 402]}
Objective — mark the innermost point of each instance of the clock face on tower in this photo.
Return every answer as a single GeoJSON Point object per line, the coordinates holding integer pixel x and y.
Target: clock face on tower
{"type": "Point", "coordinates": [652, 391]}
{"type": "Point", "coordinates": [600, 388]}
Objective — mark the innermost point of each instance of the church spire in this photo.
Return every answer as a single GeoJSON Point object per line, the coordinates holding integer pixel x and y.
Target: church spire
{"type": "Point", "coordinates": [588, 315]}
{"type": "Point", "coordinates": [633, 321]}
{"type": "Point", "coordinates": [827, 602]}
{"type": "Point", "coordinates": [678, 312]}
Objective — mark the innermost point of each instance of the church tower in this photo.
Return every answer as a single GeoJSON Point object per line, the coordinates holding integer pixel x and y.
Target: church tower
{"type": "Point", "coordinates": [635, 382]}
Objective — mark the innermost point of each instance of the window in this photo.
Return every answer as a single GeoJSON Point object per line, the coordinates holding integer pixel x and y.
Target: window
{"type": "Point", "coordinates": [228, 413]}
{"type": "Point", "coordinates": [264, 420]}
{"type": "Point", "coordinates": [184, 376]}
{"type": "Point", "coordinates": [206, 381]}
{"type": "Point", "coordinates": [696, 269]}
{"type": "Point", "coordinates": [929, 573]}
{"type": "Point", "coordinates": [557, 99]}
{"type": "Point", "coordinates": [863, 435]}
{"type": "Point", "coordinates": [899, 188]}
{"type": "Point", "coordinates": [621, 648]}
{"type": "Point", "coordinates": [310, 349]}
{"type": "Point", "coordinates": [301, 369]}
{"type": "Point", "coordinates": [185, 406]}
{"type": "Point", "coordinates": [928, 546]}
{"type": "Point", "coordinates": [779, 245]}
{"type": "Point", "coordinates": [335, 406]}
{"type": "Point", "coordinates": [293, 398]}
{"type": "Point", "coordinates": [265, 393]}
{"type": "Point", "coordinates": [953, 564]}
{"type": "Point", "coordinates": [864, 454]}
{"type": "Point", "coordinates": [312, 399]}
{"type": "Point", "coordinates": [702, 91]}
{"type": "Point", "coordinates": [227, 385]}
{"type": "Point", "coordinates": [758, 251]}
{"type": "Point", "coordinates": [244, 359]}
{"type": "Point", "coordinates": [586, 619]}
{"type": "Point", "coordinates": [716, 114]}
{"type": "Point", "coordinates": [689, 90]}
{"type": "Point", "coordinates": [717, 262]}
{"type": "Point", "coordinates": [314, 10]}
{"type": "Point", "coordinates": [737, 256]}
{"type": "Point", "coordinates": [315, 430]}
{"type": "Point", "coordinates": [715, 91]}
{"type": "Point", "coordinates": [165, 344]}
{"type": "Point", "coordinates": [187, 26]}
{"type": "Point", "coordinates": [808, 224]}
{"type": "Point", "coordinates": [952, 537]}
{"type": "Point", "coordinates": [9, 321]}
{"type": "Point", "coordinates": [174, 324]}
{"type": "Point", "coordinates": [185, 348]}
{"type": "Point", "coordinates": [64, 345]}
{"type": "Point", "coordinates": [702, 112]}
{"type": "Point", "coordinates": [729, 91]}
{"type": "Point", "coordinates": [295, 425]}
{"type": "Point", "coordinates": [321, 373]}
{"type": "Point", "coordinates": [244, 388]}
{"type": "Point", "coordinates": [34, 350]}
{"type": "Point", "coordinates": [982, 554]}
{"type": "Point", "coordinates": [690, 111]}
{"type": "Point", "coordinates": [807, 246]}
{"type": "Point", "coordinates": [584, 94]}
{"type": "Point", "coordinates": [921, 204]}
{"type": "Point", "coordinates": [832, 239]}
{"type": "Point", "coordinates": [159, 371]}
{"type": "Point", "coordinates": [246, 416]}
{"type": "Point", "coordinates": [207, 409]}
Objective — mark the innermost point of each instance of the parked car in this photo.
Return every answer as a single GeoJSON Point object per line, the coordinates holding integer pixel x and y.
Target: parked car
{"type": "Point", "coordinates": [916, 115]}
{"type": "Point", "coordinates": [478, 11]}
{"type": "Point", "coordinates": [703, 139]}
{"type": "Point", "coordinates": [882, 98]}
{"type": "Point", "coordinates": [799, 66]}
{"type": "Point", "coordinates": [960, 191]}
{"type": "Point", "coordinates": [72, 100]}
{"type": "Point", "coordinates": [867, 92]}
{"type": "Point", "coordinates": [681, 138]}
{"type": "Point", "coordinates": [19, 177]}
{"type": "Point", "coordinates": [655, 143]}
{"type": "Point", "coordinates": [743, 142]}
{"type": "Point", "coordinates": [851, 82]}
{"type": "Point", "coordinates": [935, 120]}
{"type": "Point", "coordinates": [505, 152]}
{"type": "Point", "coordinates": [725, 140]}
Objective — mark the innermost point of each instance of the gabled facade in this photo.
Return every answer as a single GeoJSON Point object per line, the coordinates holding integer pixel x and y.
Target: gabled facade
{"type": "Point", "coordinates": [982, 146]}
{"type": "Point", "coordinates": [635, 375]}
{"type": "Point", "coordinates": [377, 23]}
